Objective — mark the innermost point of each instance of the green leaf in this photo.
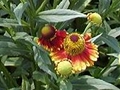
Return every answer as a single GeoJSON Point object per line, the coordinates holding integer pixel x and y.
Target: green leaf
{"type": "Point", "coordinates": [13, 61]}
{"type": "Point", "coordinates": [91, 83]}
{"type": "Point", "coordinates": [14, 89]}
{"type": "Point", "coordinates": [38, 76]}
{"type": "Point", "coordinates": [8, 22]}
{"type": "Point", "coordinates": [20, 71]}
{"type": "Point", "coordinates": [111, 41]}
{"type": "Point", "coordinates": [96, 37]}
{"type": "Point", "coordinates": [64, 4]}
{"type": "Point", "coordinates": [19, 11]}
{"type": "Point", "coordinates": [111, 68]}
{"type": "Point", "coordinates": [60, 15]}
{"type": "Point", "coordinates": [114, 32]}
{"type": "Point", "coordinates": [8, 47]}
{"type": "Point", "coordinates": [104, 5]}
{"type": "Point", "coordinates": [65, 85]}
{"type": "Point", "coordinates": [25, 83]}
{"type": "Point", "coordinates": [85, 3]}
{"type": "Point", "coordinates": [43, 64]}
{"type": "Point", "coordinates": [80, 4]}
{"type": "Point", "coordinates": [2, 83]}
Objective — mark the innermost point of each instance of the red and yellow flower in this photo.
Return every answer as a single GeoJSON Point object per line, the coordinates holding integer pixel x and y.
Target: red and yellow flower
{"type": "Point", "coordinates": [79, 50]}
{"type": "Point", "coordinates": [51, 38]}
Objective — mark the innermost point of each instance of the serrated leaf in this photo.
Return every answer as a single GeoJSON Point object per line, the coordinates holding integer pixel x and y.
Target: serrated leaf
{"type": "Point", "coordinates": [91, 83]}
{"type": "Point", "coordinates": [60, 15]}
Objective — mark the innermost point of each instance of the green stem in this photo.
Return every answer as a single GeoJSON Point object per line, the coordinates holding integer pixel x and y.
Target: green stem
{"type": "Point", "coordinates": [7, 9]}
{"type": "Point", "coordinates": [3, 81]}
{"type": "Point", "coordinates": [12, 83]}
{"type": "Point", "coordinates": [87, 27]}
{"type": "Point", "coordinates": [55, 3]}
{"type": "Point", "coordinates": [42, 6]}
{"type": "Point", "coordinates": [32, 5]}
{"type": "Point", "coordinates": [104, 70]}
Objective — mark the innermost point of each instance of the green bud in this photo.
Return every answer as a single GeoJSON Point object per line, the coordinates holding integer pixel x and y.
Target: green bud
{"type": "Point", "coordinates": [94, 18]}
{"type": "Point", "coordinates": [64, 68]}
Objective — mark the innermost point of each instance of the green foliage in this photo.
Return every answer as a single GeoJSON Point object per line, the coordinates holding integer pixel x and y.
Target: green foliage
{"type": "Point", "coordinates": [25, 65]}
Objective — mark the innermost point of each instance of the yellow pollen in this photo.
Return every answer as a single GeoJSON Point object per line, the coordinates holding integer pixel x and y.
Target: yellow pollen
{"type": "Point", "coordinates": [74, 44]}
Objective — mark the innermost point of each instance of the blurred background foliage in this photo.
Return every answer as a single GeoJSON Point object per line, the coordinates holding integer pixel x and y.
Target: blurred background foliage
{"type": "Point", "coordinates": [26, 66]}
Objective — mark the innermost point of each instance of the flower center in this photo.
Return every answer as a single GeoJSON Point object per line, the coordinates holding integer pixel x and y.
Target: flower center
{"type": "Point", "coordinates": [74, 38]}
{"type": "Point", "coordinates": [74, 44]}
{"type": "Point", "coordinates": [45, 30]}
{"type": "Point", "coordinates": [48, 31]}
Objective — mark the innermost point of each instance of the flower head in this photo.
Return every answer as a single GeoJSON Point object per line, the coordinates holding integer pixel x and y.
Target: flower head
{"type": "Point", "coordinates": [79, 50]}
{"type": "Point", "coordinates": [94, 18]}
{"type": "Point", "coordinates": [51, 38]}
{"type": "Point", "coordinates": [74, 44]}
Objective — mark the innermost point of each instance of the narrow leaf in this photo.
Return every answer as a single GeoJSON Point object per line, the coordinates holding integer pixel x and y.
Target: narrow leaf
{"type": "Point", "coordinates": [64, 4]}
{"type": "Point", "coordinates": [19, 11]}
{"type": "Point", "coordinates": [111, 41]}
{"type": "Point", "coordinates": [114, 32]}
{"type": "Point", "coordinates": [60, 15]}
{"type": "Point", "coordinates": [91, 83]}
{"type": "Point", "coordinates": [25, 83]}
{"type": "Point", "coordinates": [8, 22]}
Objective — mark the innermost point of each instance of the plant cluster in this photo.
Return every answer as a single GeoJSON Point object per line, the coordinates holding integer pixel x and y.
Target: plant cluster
{"type": "Point", "coordinates": [59, 45]}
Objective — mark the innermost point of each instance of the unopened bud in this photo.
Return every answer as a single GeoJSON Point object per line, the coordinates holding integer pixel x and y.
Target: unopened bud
{"type": "Point", "coordinates": [48, 31]}
{"type": "Point", "coordinates": [94, 18]}
{"type": "Point", "coordinates": [64, 68]}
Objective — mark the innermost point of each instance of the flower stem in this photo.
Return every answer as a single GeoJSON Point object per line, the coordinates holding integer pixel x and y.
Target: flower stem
{"type": "Point", "coordinates": [87, 27]}
{"type": "Point", "coordinates": [104, 70]}
{"type": "Point", "coordinates": [3, 81]}
{"type": "Point", "coordinates": [12, 83]}
{"type": "Point", "coordinates": [55, 3]}
{"type": "Point", "coordinates": [42, 6]}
